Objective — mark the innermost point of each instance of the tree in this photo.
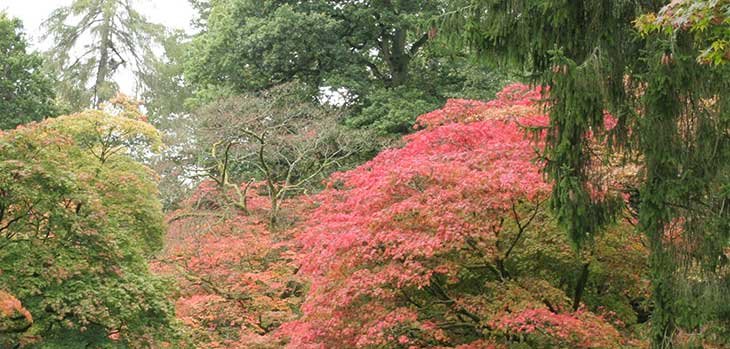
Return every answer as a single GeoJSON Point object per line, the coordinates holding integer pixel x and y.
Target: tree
{"type": "Point", "coordinates": [706, 20]}
{"type": "Point", "coordinates": [672, 124]}
{"type": "Point", "coordinates": [25, 91]}
{"type": "Point", "coordinates": [278, 137]}
{"type": "Point", "coordinates": [118, 36]}
{"type": "Point", "coordinates": [78, 217]}
{"type": "Point", "coordinates": [447, 243]}
{"type": "Point", "coordinates": [375, 55]}
{"type": "Point", "coordinates": [236, 277]}
{"type": "Point", "coordinates": [165, 88]}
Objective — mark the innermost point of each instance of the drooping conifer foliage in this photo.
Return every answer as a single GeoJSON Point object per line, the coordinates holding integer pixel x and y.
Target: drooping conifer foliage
{"type": "Point", "coordinates": [672, 121]}
{"type": "Point", "coordinates": [92, 41]}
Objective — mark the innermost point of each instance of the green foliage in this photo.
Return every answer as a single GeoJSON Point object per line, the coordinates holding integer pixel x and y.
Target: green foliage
{"type": "Point", "coordinates": [26, 93]}
{"type": "Point", "coordinates": [80, 224]}
{"type": "Point", "coordinates": [707, 20]}
{"type": "Point", "coordinates": [252, 47]}
{"type": "Point", "coordinates": [581, 51]}
{"type": "Point", "coordinates": [378, 57]}
{"type": "Point", "coordinates": [392, 111]}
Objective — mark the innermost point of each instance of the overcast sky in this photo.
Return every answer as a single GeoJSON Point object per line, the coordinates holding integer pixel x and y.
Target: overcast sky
{"type": "Point", "coordinates": [171, 13]}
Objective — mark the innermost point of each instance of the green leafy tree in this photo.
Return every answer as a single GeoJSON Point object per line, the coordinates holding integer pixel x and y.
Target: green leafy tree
{"type": "Point", "coordinates": [375, 56]}
{"type": "Point", "coordinates": [78, 216]}
{"type": "Point", "coordinates": [109, 34]}
{"type": "Point", "coordinates": [26, 93]}
{"type": "Point", "coordinates": [671, 121]}
{"type": "Point", "coordinates": [707, 21]}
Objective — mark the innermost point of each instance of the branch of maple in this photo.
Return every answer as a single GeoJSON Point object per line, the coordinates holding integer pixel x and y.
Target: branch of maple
{"type": "Point", "coordinates": [409, 299]}
{"type": "Point", "coordinates": [449, 325]}
{"type": "Point", "coordinates": [226, 157]}
{"type": "Point", "coordinates": [329, 161]}
{"type": "Point", "coordinates": [13, 221]}
{"type": "Point", "coordinates": [521, 228]}
{"type": "Point", "coordinates": [2, 209]}
{"type": "Point", "coordinates": [487, 262]}
{"type": "Point", "coordinates": [242, 202]}
{"type": "Point", "coordinates": [210, 286]}
{"type": "Point", "coordinates": [291, 166]}
{"type": "Point", "coordinates": [443, 295]}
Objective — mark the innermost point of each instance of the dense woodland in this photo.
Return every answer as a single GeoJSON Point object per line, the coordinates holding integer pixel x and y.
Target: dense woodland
{"type": "Point", "coordinates": [330, 174]}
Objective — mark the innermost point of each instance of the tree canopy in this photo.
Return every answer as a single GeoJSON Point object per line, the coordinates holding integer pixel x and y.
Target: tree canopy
{"type": "Point", "coordinates": [376, 56]}
{"type": "Point", "coordinates": [109, 34]}
{"type": "Point", "coordinates": [26, 91]}
{"type": "Point", "coordinates": [315, 174]}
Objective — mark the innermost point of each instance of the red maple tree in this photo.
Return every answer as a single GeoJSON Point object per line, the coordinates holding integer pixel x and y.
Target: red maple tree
{"type": "Point", "coordinates": [434, 244]}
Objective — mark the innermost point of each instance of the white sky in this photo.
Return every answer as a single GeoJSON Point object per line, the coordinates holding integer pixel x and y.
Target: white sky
{"type": "Point", "coordinates": [171, 13]}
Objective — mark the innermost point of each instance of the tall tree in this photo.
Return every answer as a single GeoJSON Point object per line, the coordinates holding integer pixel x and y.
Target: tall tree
{"type": "Point", "coordinates": [672, 113]}
{"type": "Point", "coordinates": [26, 92]}
{"type": "Point", "coordinates": [376, 54]}
{"type": "Point", "coordinates": [109, 34]}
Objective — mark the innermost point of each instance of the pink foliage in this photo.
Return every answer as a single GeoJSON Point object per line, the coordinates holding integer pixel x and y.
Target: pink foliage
{"type": "Point", "coordinates": [234, 273]}
{"type": "Point", "coordinates": [396, 221]}
{"type": "Point", "coordinates": [578, 330]}
{"type": "Point", "coordinates": [513, 102]}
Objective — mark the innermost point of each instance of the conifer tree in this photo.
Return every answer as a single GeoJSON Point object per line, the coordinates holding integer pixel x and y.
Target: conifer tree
{"type": "Point", "coordinates": [109, 34]}
{"type": "Point", "coordinates": [672, 113]}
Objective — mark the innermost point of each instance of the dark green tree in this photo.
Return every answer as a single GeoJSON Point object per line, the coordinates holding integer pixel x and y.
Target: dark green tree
{"type": "Point", "coordinates": [375, 56]}
{"type": "Point", "coordinates": [672, 120]}
{"type": "Point", "coordinates": [26, 92]}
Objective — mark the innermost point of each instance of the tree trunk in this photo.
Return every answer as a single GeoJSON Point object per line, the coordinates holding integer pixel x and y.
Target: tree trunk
{"type": "Point", "coordinates": [580, 285]}
{"type": "Point", "coordinates": [399, 59]}
{"type": "Point", "coordinates": [103, 65]}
